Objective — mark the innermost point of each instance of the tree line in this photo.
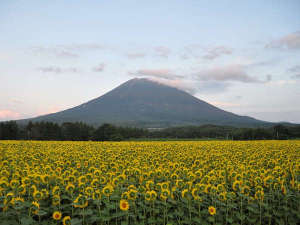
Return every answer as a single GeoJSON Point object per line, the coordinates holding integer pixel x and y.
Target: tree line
{"type": "Point", "coordinates": [107, 132]}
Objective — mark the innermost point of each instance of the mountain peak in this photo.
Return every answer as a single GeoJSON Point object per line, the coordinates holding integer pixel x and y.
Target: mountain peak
{"type": "Point", "coordinates": [142, 81]}
{"type": "Point", "coordinates": [143, 102]}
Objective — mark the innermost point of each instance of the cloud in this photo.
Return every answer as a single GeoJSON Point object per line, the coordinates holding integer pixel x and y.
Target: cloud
{"type": "Point", "coordinates": [99, 68]}
{"type": "Point", "coordinates": [296, 72]}
{"type": "Point", "coordinates": [225, 104]}
{"type": "Point", "coordinates": [233, 72]}
{"type": "Point", "coordinates": [54, 51]}
{"type": "Point", "coordinates": [162, 51]}
{"type": "Point", "coordinates": [184, 85]}
{"type": "Point", "coordinates": [6, 114]}
{"type": "Point", "coordinates": [216, 52]}
{"type": "Point", "coordinates": [290, 41]}
{"type": "Point", "coordinates": [58, 70]}
{"type": "Point", "coordinates": [282, 82]}
{"type": "Point", "coordinates": [193, 87]}
{"type": "Point", "coordinates": [67, 51]}
{"type": "Point", "coordinates": [297, 76]}
{"type": "Point", "coordinates": [136, 55]}
{"type": "Point", "coordinates": [48, 110]}
{"type": "Point", "coordinates": [156, 73]}
{"type": "Point", "coordinates": [16, 101]}
{"type": "Point", "coordinates": [191, 51]}
{"type": "Point", "coordinates": [294, 69]}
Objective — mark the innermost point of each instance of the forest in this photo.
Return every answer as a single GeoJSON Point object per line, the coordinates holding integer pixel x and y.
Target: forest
{"type": "Point", "coordinates": [107, 132]}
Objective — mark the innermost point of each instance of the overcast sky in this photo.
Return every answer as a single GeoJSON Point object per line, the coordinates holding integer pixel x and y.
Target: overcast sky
{"type": "Point", "coordinates": [242, 56]}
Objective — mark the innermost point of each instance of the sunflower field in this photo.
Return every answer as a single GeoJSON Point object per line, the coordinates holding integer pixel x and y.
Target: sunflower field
{"type": "Point", "coordinates": [172, 182]}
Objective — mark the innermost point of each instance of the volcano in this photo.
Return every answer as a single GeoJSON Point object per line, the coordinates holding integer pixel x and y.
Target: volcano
{"type": "Point", "coordinates": [141, 102]}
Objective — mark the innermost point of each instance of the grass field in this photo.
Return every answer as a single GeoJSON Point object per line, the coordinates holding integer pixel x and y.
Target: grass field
{"type": "Point", "coordinates": [174, 182]}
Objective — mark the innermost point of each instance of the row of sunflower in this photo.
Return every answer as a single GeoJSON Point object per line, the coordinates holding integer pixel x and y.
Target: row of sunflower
{"type": "Point", "coordinates": [213, 182]}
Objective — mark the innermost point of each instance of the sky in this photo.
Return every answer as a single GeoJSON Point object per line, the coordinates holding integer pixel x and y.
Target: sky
{"type": "Point", "coordinates": [241, 56]}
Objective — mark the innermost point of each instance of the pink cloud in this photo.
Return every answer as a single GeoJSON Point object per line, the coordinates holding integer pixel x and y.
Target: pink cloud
{"type": "Point", "coordinates": [8, 114]}
{"type": "Point", "coordinates": [49, 110]}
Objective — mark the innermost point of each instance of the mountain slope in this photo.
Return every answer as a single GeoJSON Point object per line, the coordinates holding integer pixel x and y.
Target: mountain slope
{"type": "Point", "coordinates": [145, 103]}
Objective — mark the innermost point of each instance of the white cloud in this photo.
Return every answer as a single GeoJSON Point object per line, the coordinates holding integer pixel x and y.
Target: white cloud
{"type": "Point", "coordinates": [216, 52]}
{"type": "Point", "coordinates": [135, 55]}
{"type": "Point", "coordinates": [58, 70]}
{"type": "Point", "coordinates": [99, 68]}
{"type": "Point", "coordinates": [290, 41]}
{"type": "Point", "coordinates": [158, 73]}
{"type": "Point", "coordinates": [233, 72]}
{"type": "Point", "coordinates": [162, 51]}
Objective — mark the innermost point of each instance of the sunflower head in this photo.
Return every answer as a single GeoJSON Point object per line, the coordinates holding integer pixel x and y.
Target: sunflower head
{"type": "Point", "coordinates": [67, 220]}
{"type": "Point", "coordinates": [55, 200]}
{"type": "Point", "coordinates": [132, 194]}
{"type": "Point", "coordinates": [212, 210]}
{"type": "Point", "coordinates": [124, 205]}
{"type": "Point", "coordinates": [35, 206]}
{"type": "Point", "coordinates": [56, 215]}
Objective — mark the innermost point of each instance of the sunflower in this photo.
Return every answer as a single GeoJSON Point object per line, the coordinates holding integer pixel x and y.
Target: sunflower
{"type": "Point", "coordinates": [283, 189]}
{"type": "Point", "coordinates": [82, 179]}
{"type": "Point", "coordinates": [131, 187]}
{"type": "Point", "coordinates": [207, 188]}
{"type": "Point", "coordinates": [56, 215]}
{"type": "Point", "coordinates": [212, 210]}
{"type": "Point", "coordinates": [153, 195]}
{"type": "Point", "coordinates": [95, 183]}
{"type": "Point", "coordinates": [55, 200]}
{"type": "Point", "coordinates": [9, 196]}
{"type": "Point", "coordinates": [72, 179]}
{"type": "Point", "coordinates": [196, 194]}
{"type": "Point", "coordinates": [164, 185]}
{"type": "Point", "coordinates": [124, 205]}
{"type": "Point", "coordinates": [149, 184]}
{"type": "Point", "coordinates": [259, 195]}
{"type": "Point", "coordinates": [174, 176]}
{"type": "Point", "coordinates": [70, 188]}
{"type": "Point", "coordinates": [14, 183]}
{"type": "Point", "coordinates": [107, 190]}
{"type": "Point", "coordinates": [268, 181]}
{"type": "Point", "coordinates": [89, 191]}
{"type": "Point", "coordinates": [45, 193]}
{"type": "Point", "coordinates": [184, 193]}
{"type": "Point", "coordinates": [125, 195]}
{"type": "Point", "coordinates": [132, 194]}
{"type": "Point", "coordinates": [4, 183]}
{"type": "Point", "coordinates": [55, 190]}
{"type": "Point", "coordinates": [97, 173]}
{"type": "Point", "coordinates": [97, 195]}
{"type": "Point", "coordinates": [17, 201]}
{"type": "Point", "coordinates": [223, 196]}
{"type": "Point", "coordinates": [165, 194]}
{"type": "Point", "coordinates": [32, 189]}
{"type": "Point", "coordinates": [80, 202]}
{"type": "Point", "coordinates": [35, 206]}
{"type": "Point", "coordinates": [66, 220]}
{"type": "Point", "coordinates": [148, 196]}
{"type": "Point", "coordinates": [102, 180]}
{"type": "Point", "coordinates": [220, 188]}
{"type": "Point", "coordinates": [236, 185]}
{"type": "Point", "coordinates": [37, 195]}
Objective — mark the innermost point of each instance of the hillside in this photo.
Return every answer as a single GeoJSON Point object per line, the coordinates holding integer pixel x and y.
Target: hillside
{"type": "Point", "coordinates": [145, 103]}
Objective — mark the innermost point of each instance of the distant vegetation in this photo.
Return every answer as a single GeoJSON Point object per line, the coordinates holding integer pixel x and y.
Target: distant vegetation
{"type": "Point", "coordinates": [107, 132]}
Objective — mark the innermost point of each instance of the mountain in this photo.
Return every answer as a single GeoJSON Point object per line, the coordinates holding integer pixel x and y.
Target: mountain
{"type": "Point", "coordinates": [146, 103]}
